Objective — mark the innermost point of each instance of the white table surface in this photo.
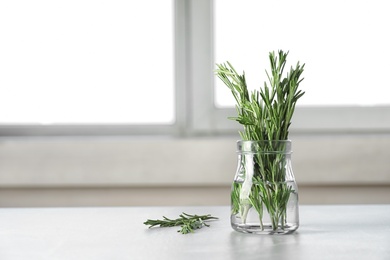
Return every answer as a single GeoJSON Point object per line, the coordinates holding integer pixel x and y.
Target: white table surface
{"type": "Point", "coordinates": [326, 232]}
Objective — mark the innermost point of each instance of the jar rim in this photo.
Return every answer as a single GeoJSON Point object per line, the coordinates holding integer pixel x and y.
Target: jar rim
{"type": "Point", "coordinates": [264, 141]}
{"type": "Point", "coordinates": [268, 146]}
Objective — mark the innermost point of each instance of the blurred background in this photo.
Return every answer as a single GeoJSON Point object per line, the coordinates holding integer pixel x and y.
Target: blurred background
{"type": "Point", "coordinates": [115, 103]}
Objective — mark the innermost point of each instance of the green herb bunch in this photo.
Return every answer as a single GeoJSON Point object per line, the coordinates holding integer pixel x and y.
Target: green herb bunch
{"type": "Point", "coordinates": [187, 222]}
{"type": "Point", "coordinates": [266, 116]}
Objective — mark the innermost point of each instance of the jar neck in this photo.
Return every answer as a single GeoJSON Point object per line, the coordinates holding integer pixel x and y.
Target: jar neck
{"type": "Point", "coordinates": [265, 147]}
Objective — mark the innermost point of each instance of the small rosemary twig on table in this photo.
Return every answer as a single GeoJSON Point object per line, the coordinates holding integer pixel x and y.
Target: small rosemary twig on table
{"type": "Point", "coordinates": [187, 222]}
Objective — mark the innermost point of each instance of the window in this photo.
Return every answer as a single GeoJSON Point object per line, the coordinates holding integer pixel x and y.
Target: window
{"type": "Point", "coordinates": [341, 42]}
{"type": "Point", "coordinates": [170, 70]}
{"type": "Point", "coordinates": [84, 62]}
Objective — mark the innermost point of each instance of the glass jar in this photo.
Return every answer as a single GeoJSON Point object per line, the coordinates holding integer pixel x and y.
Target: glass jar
{"type": "Point", "coordinates": [264, 195]}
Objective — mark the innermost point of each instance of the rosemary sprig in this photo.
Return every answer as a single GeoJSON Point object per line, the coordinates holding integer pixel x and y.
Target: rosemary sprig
{"type": "Point", "coordinates": [187, 222]}
{"type": "Point", "coordinates": [266, 113]}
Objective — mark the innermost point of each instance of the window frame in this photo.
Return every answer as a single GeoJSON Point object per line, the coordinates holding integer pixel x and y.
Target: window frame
{"type": "Point", "coordinates": [207, 118]}
{"type": "Point", "coordinates": [195, 111]}
{"type": "Point", "coordinates": [179, 27]}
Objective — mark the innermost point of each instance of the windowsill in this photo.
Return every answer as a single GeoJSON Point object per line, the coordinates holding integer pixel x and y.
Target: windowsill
{"type": "Point", "coordinates": [130, 161]}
